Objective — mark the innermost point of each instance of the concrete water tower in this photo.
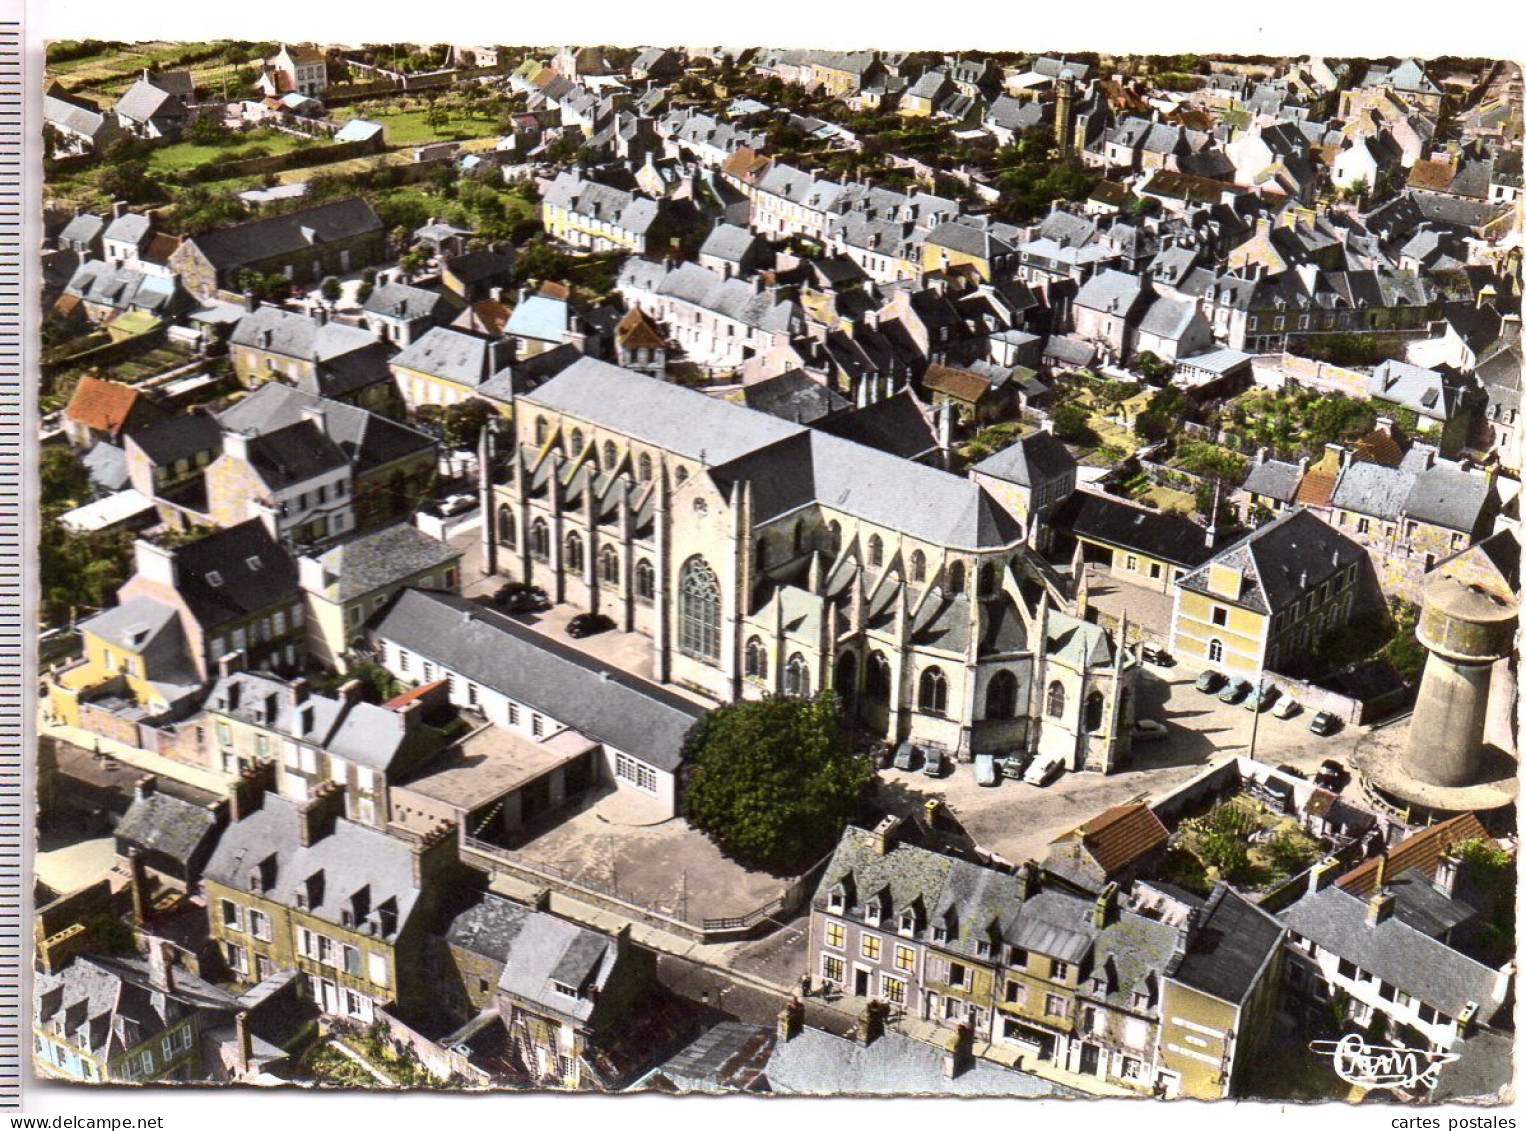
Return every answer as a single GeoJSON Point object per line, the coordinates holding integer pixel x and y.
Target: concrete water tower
{"type": "Point", "coordinates": [1457, 751]}
{"type": "Point", "coordinates": [1466, 629]}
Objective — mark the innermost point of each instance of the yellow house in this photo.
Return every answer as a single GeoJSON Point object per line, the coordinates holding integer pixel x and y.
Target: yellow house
{"type": "Point", "coordinates": [1143, 547]}
{"type": "Point", "coordinates": [1271, 596]}
{"type": "Point", "coordinates": [1219, 997]}
{"type": "Point", "coordinates": [135, 652]}
{"type": "Point", "coordinates": [446, 366]}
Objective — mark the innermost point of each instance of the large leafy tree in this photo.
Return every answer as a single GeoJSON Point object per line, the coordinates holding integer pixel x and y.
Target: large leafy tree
{"type": "Point", "coordinates": [772, 780]}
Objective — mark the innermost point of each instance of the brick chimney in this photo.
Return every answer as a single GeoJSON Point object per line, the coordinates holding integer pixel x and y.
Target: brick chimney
{"type": "Point", "coordinates": [1322, 875]}
{"type": "Point", "coordinates": [1447, 866]}
{"type": "Point", "coordinates": [1380, 905]}
{"type": "Point", "coordinates": [247, 794]}
{"type": "Point", "coordinates": [791, 1019]}
{"type": "Point", "coordinates": [435, 853]}
{"type": "Point", "coordinates": [1106, 908]}
{"type": "Point", "coordinates": [144, 787]}
{"type": "Point", "coordinates": [316, 818]}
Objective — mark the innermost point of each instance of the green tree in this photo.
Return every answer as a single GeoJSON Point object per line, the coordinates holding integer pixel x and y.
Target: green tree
{"type": "Point", "coordinates": [207, 129]}
{"type": "Point", "coordinates": [463, 423]}
{"type": "Point", "coordinates": [773, 781]}
{"type": "Point", "coordinates": [330, 289]}
{"type": "Point", "coordinates": [1072, 422]}
{"type": "Point", "coordinates": [63, 479]}
{"type": "Point", "coordinates": [129, 181]}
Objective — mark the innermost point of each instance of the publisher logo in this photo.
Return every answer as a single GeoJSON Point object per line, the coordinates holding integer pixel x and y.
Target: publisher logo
{"type": "Point", "coordinates": [1381, 1066]}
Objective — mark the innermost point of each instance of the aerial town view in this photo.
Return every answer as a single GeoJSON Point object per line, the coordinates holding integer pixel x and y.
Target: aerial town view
{"type": "Point", "coordinates": [778, 572]}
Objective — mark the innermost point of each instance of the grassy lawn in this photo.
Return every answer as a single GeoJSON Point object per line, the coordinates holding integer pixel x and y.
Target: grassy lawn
{"type": "Point", "coordinates": [408, 124]}
{"type": "Point", "coordinates": [181, 156]}
{"type": "Point", "coordinates": [111, 72]}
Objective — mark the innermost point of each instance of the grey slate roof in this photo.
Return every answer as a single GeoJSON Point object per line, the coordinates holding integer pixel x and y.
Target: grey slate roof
{"type": "Point", "coordinates": [179, 437]}
{"type": "Point", "coordinates": [244, 588]}
{"type": "Point", "coordinates": [1274, 478]}
{"type": "Point", "coordinates": [1395, 951]}
{"type": "Point", "coordinates": [1281, 560]}
{"type": "Point", "coordinates": [547, 951]}
{"type": "Point", "coordinates": [381, 558]}
{"type": "Point", "coordinates": [1230, 948]}
{"type": "Point", "coordinates": [352, 860]}
{"type": "Point", "coordinates": [144, 102]}
{"type": "Point", "coordinates": [679, 420]}
{"type": "Point", "coordinates": [795, 396]}
{"type": "Point", "coordinates": [729, 242]}
{"type": "Point", "coordinates": [399, 300]}
{"type": "Point", "coordinates": [257, 240]}
{"type": "Point", "coordinates": [602, 702]}
{"type": "Point", "coordinates": [452, 355]}
{"type": "Point", "coordinates": [367, 439]}
{"type": "Point", "coordinates": [1114, 522]}
{"type": "Point", "coordinates": [1110, 291]}
{"type": "Point", "coordinates": [1035, 458]}
{"type": "Point", "coordinates": [296, 335]}
{"type": "Point", "coordinates": [166, 824]}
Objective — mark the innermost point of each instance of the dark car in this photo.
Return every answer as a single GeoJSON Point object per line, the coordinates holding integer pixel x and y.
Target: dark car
{"type": "Point", "coordinates": [1332, 775]}
{"type": "Point", "coordinates": [907, 756]}
{"type": "Point", "coordinates": [1157, 656]}
{"type": "Point", "coordinates": [588, 624]}
{"type": "Point", "coordinates": [1324, 724]}
{"type": "Point", "coordinates": [1209, 682]}
{"type": "Point", "coordinates": [936, 764]}
{"type": "Point", "coordinates": [517, 597]}
{"type": "Point", "coordinates": [1234, 691]}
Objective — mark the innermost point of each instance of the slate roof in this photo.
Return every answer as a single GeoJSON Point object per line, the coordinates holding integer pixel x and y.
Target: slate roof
{"type": "Point", "coordinates": [243, 589]}
{"type": "Point", "coordinates": [352, 860]}
{"type": "Point", "coordinates": [1033, 459]}
{"type": "Point", "coordinates": [729, 242]}
{"type": "Point", "coordinates": [547, 951]}
{"type": "Point", "coordinates": [399, 300]}
{"type": "Point", "coordinates": [1281, 561]}
{"type": "Point", "coordinates": [601, 702]}
{"type": "Point", "coordinates": [899, 424]}
{"type": "Point", "coordinates": [288, 456]}
{"type": "Point", "coordinates": [795, 396]}
{"type": "Point", "coordinates": [1393, 950]}
{"type": "Point", "coordinates": [458, 356]}
{"type": "Point", "coordinates": [367, 439]}
{"type": "Point", "coordinates": [1230, 947]}
{"type": "Point", "coordinates": [542, 317]}
{"type": "Point", "coordinates": [1113, 522]}
{"type": "Point", "coordinates": [679, 420]}
{"type": "Point", "coordinates": [924, 502]}
{"type": "Point", "coordinates": [1275, 479]}
{"type": "Point", "coordinates": [296, 335]}
{"type": "Point", "coordinates": [144, 102]}
{"type": "Point", "coordinates": [165, 824]}
{"type": "Point", "coordinates": [124, 287]}
{"type": "Point", "coordinates": [257, 240]}
{"type": "Point", "coordinates": [83, 229]}
{"type": "Point", "coordinates": [150, 629]}
{"type": "Point", "coordinates": [380, 558]}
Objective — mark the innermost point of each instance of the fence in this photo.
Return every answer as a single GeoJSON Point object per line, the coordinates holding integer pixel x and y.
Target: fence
{"type": "Point", "coordinates": [292, 159]}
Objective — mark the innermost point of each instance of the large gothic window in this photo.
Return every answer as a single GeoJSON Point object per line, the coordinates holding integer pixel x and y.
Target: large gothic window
{"type": "Point", "coordinates": [1054, 702]}
{"type": "Point", "coordinates": [987, 580]}
{"type": "Point", "coordinates": [609, 566]}
{"type": "Point", "coordinates": [506, 526]}
{"type": "Point", "coordinates": [609, 455]}
{"type": "Point", "coordinates": [699, 612]}
{"type": "Point", "coordinates": [574, 554]}
{"type": "Point", "coordinates": [918, 566]}
{"type": "Point", "coordinates": [876, 551]}
{"type": "Point", "coordinates": [577, 441]}
{"type": "Point", "coordinates": [644, 468]}
{"type": "Point", "coordinates": [540, 539]}
{"type": "Point", "coordinates": [646, 582]}
{"type": "Point", "coordinates": [797, 677]}
{"type": "Point", "coordinates": [956, 578]}
{"type": "Point", "coordinates": [932, 692]}
{"type": "Point", "coordinates": [1001, 696]}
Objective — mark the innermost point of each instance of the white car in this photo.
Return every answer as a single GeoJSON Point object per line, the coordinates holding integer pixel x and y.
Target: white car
{"type": "Point", "coordinates": [1149, 730]}
{"type": "Point", "coordinates": [457, 504]}
{"type": "Point", "coordinates": [1044, 770]}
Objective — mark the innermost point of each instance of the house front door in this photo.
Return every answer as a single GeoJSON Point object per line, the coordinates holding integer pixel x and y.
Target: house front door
{"type": "Point", "coordinates": [860, 983]}
{"type": "Point", "coordinates": [1088, 1060]}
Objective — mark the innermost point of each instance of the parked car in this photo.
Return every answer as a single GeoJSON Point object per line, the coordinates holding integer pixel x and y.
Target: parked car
{"type": "Point", "coordinates": [457, 504]}
{"type": "Point", "coordinates": [1209, 682]}
{"type": "Point", "coordinates": [1262, 698]}
{"type": "Point", "coordinates": [1286, 708]}
{"type": "Point", "coordinates": [588, 624]}
{"type": "Point", "coordinates": [1234, 691]}
{"type": "Point", "coordinates": [935, 764]}
{"type": "Point", "coordinates": [1150, 654]}
{"type": "Point", "coordinates": [1012, 766]}
{"type": "Point", "coordinates": [1044, 770]}
{"type": "Point", "coordinates": [907, 757]}
{"type": "Point", "coordinates": [1332, 775]}
{"type": "Point", "coordinates": [1324, 724]}
{"type": "Point", "coordinates": [985, 769]}
{"type": "Point", "coordinates": [1149, 730]}
{"type": "Point", "coordinates": [517, 597]}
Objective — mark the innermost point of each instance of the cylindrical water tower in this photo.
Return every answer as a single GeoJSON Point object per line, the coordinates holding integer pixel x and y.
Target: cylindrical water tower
{"type": "Point", "coordinates": [1466, 629]}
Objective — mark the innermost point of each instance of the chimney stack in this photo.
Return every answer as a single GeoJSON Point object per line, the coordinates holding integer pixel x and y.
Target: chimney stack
{"type": "Point", "coordinates": [1447, 866]}
{"type": "Point", "coordinates": [161, 965]}
{"type": "Point", "coordinates": [144, 787]}
{"type": "Point", "coordinates": [871, 1027]}
{"type": "Point", "coordinates": [791, 1018]}
{"type": "Point", "coordinates": [1322, 875]}
{"type": "Point", "coordinates": [884, 835]}
{"type": "Point", "coordinates": [244, 1043]}
{"type": "Point", "coordinates": [1106, 908]}
{"type": "Point", "coordinates": [1380, 906]}
{"type": "Point", "coordinates": [316, 818]}
{"type": "Point", "coordinates": [956, 1057]}
{"type": "Point", "coordinates": [138, 886]}
{"type": "Point", "coordinates": [1027, 881]}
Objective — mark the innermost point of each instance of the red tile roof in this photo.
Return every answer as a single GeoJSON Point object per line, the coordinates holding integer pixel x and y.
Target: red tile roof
{"type": "Point", "coordinates": [398, 702]}
{"type": "Point", "coordinates": [1119, 836]}
{"type": "Point", "coordinates": [1378, 446]}
{"type": "Point", "coordinates": [101, 406]}
{"type": "Point", "coordinates": [1420, 851]}
{"type": "Point", "coordinates": [1317, 488]}
{"type": "Point", "coordinates": [637, 331]}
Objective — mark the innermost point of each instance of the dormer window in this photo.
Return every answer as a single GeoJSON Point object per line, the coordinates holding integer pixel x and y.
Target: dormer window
{"type": "Point", "coordinates": [908, 922]}
{"type": "Point", "coordinates": [1017, 956]}
{"type": "Point", "coordinates": [872, 912]}
{"type": "Point", "coordinates": [835, 901]}
{"type": "Point", "coordinates": [983, 948]}
{"type": "Point", "coordinates": [564, 989]}
{"type": "Point", "coordinates": [214, 579]}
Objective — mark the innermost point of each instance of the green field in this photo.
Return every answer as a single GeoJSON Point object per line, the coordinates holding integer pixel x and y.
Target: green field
{"type": "Point", "coordinates": [409, 126]}
{"type": "Point", "coordinates": [184, 155]}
